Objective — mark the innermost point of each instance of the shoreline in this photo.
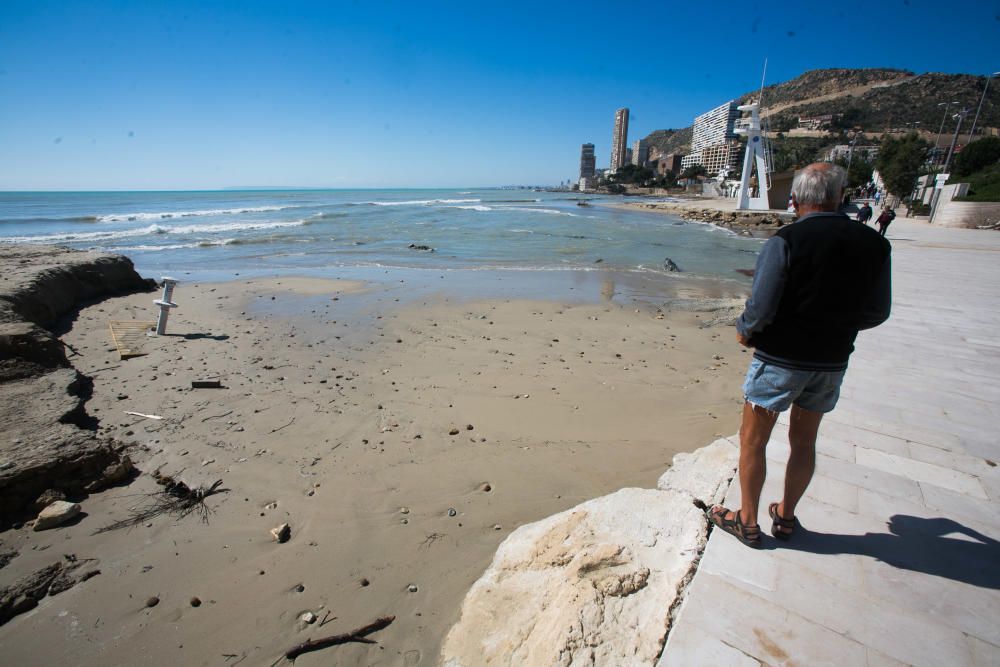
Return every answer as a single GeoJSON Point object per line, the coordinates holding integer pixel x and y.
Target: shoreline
{"type": "Point", "coordinates": [336, 412]}
{"type": "Point", "coordinates": [718, 212]}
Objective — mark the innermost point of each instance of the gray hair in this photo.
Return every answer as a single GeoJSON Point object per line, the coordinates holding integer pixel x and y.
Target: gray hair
{"type": "Point", "coordinates": [819, 184]}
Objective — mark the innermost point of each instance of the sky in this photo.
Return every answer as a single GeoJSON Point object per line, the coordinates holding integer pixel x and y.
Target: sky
{"type": "Point", "coordinates": [200, 95]}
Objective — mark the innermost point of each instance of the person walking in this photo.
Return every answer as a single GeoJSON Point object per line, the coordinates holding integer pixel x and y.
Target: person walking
{"type": "Point", "coordinates": [885, 218]}
{"type": "Point", "coordinates": [864, 213]}
{"type": "Point", "coordinates": [818, 282]}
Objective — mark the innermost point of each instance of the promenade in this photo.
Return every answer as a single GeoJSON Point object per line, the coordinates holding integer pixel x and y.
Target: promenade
{"type": "Point", "coordinates": [899, 559]}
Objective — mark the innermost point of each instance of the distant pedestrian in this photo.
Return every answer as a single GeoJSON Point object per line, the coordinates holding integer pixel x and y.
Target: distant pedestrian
{"type": "Point", "coordinates": [864, 214]}
{"type": "Point", "coordinates": [885, 218]}
{"type": "Point", "coordinates": [818, 282]}
{"type": "Point", "coordinates": [878, 196]}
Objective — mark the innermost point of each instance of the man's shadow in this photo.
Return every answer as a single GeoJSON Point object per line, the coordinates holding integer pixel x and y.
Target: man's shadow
{"type": "Point", "coordinates": [917, 544]}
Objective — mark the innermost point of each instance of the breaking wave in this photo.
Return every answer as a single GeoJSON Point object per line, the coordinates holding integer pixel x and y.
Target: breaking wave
{"type": "Point", "coordinates": [166, 215]}
{"type": "Point", "coordinates": [80, 237]}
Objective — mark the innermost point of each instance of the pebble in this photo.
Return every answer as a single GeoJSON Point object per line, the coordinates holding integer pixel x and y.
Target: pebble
{"type": "Point", "coordinates": [195, 602]}
{"type": "Point", "coordinates": [412, 588]}
{"type": "Point", "coordinates": [153, 601]}
{"type": "Point", "coordinates": [452, 511]}
{"type": "Point", "coordinates": [308, 617]}
{"type": "Point", "coordinates": [404, 510]}
{"type": "Point", "coordinates": [497, 526]}
{"type": "Point", "coordinates": [282, 533]}
{"type": "Point", "coordinates": [453, 431]}
{"type": "Point", "coordinates": [469, 427]}
{"type": "Point", "coordinates": [487, 487]}
{"type": "Point", "coordinates": [365, 582]}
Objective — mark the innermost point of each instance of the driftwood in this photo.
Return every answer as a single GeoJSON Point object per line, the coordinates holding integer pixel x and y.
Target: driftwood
{"type": "Point", "coordinates": [176, 499]}
{"type": "Point", "coordinates": [352, 636]}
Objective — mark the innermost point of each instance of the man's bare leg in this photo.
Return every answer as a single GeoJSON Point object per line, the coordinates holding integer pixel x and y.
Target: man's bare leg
{"type": "Point", "coordinates": [754, 434]}
{"type": "Point", "coordinates": [802, 430]}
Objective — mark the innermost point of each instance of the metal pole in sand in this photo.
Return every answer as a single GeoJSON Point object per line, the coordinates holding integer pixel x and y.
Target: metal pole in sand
{"type": "Point", "coordinates": [165, 304]}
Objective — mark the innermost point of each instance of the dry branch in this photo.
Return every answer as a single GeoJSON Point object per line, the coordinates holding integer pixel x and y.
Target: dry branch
{"type": "Point", "coordinates": [352, 636]}
{"type": "Point", "coordinates": [176, 499]}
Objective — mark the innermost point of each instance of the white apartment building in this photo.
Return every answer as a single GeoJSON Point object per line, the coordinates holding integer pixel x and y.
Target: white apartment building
{"type": "Point", "coordinates": [640, 152]}
{"type": "Point", "coordinates": [712, 137]}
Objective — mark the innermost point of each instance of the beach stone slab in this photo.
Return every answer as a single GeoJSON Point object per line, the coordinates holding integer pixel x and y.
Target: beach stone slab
{"type": "Point", "coordinates": [56, 514]}
{"type": "Point", "coordinates": [591, 585]}
{"type": "Point", "coordinates": [702, 473]}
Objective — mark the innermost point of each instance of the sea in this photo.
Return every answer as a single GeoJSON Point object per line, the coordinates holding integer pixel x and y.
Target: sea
{"type": "Point", "coordinates": [217, 235]}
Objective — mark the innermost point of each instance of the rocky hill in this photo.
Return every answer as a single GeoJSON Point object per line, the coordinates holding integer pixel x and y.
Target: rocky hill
{"type": "Point", "coordinates": [876, 100]}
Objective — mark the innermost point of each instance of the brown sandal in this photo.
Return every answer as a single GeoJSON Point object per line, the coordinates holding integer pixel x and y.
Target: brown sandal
{"type": "Point", "coordinates": [779, 522]}
{"type": "Point", "coordinates": [748, 535]}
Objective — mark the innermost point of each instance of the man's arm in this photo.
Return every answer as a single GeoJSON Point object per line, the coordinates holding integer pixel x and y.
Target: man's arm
{"type": "Point", "coordinates": [768, 286]}
{"type": "Point", "coordinates": [880, 301]}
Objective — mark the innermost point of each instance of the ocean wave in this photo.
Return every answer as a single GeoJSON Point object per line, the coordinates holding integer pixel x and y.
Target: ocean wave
{"type": "Point", "coordinates": [329, 215]}
{"type": "Point", "coordinates": [477, 207]}
{"type": "Point", "coordinates": [166, 215]}
{"type": "Point", "coordinates": [80, 237]}
{"type": "Point", "coordinates": [534, 209]}
{"type": "Point", "coordinates": [420, 202]}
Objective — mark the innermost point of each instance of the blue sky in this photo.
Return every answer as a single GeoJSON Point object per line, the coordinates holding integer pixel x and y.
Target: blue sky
{"type": "Point", "coordinates": [186, 95]}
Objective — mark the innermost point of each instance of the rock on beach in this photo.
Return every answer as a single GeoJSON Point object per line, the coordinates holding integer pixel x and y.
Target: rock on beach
{"type": "Point", "coordinates": [593, 584]}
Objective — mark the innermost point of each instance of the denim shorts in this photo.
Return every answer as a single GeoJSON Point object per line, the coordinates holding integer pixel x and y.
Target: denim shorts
{"type": "Point", "coordinates": [776, 389]}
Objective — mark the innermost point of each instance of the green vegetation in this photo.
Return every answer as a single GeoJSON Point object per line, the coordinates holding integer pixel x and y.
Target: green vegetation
{"type": "Point", "coordinates": [900, 161]}
{"type": "Point", "coordinates": [633, 175]}
{"type": "Point", "coordinates": [984, 185]}
{"type": "Point", "coordinates": [694, 171]}
{"type": "Point", "coordinates": [859, 171]}
{"type": "Point", "coordinates": [796, 152]}
{"type": "Point", "coordinates": [977, 155]}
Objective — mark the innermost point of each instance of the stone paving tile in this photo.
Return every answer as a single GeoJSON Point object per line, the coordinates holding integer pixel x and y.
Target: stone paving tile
{"type": "Point", "coordinates": [966, 607]}
{"type": "Point", "coordinates": [900, 556]}
{"type": "Point", "coordinates": [927, 473]}
{"type": "Point", "coordinates": [960, 506]}
{"type": "Point", "coordinates": [868, 478]}
{"type": "Point", "coordinates": [983, 653]}
{"type": "Point", "coordinates": [972, 465]}
{"type": "Point", "coordinates": [693, 646]}
{"type": "Point", "coordinates": [759, 628]}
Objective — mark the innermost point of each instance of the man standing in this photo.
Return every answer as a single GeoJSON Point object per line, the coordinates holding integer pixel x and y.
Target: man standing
{"type": "Point", "coordinates": [818, 282]}
{"type": "Point", "coordinates": [864, 213]}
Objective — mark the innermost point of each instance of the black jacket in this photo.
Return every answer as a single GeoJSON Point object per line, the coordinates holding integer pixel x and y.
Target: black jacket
{"type": "Point", "coordinates": [818, 282]}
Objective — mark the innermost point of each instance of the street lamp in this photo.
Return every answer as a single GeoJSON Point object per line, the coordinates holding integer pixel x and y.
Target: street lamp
{"type": "Point", "coordinates": [980, 107]}
{"type": "Point", "coordinates": [937, 142]}
{"type": "Point", "coordinates": [954, 140]}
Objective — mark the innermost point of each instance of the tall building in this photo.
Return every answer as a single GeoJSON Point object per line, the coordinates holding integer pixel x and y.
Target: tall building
{"type": "Point", "coordinates": [714, 127]}
{"type": "Point", "coordinates": [587, 161]}
{"type": "Point", "coordinates": [712, 139]}
{"type": "Point", "coordinates": [640, 152]}
{"type": "Point", "coordinates": [619, 141]}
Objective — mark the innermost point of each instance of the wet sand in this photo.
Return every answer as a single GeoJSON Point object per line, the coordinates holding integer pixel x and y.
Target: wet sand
{"type": "Point", "coordinates": [401, 433]}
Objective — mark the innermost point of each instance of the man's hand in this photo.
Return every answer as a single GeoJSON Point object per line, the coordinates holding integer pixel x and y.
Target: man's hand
{"type": "Point", "coordinates": [741, 339]}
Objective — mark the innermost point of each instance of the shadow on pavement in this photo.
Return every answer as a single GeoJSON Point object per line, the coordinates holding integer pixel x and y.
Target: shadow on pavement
{"type": "Point", "coordinates": [938, 546]}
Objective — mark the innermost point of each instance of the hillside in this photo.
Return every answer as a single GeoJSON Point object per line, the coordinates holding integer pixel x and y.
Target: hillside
{"type": "Point", "coordinates": [876, 100]}
{"type": "Point", "coordinates": [670, 141]}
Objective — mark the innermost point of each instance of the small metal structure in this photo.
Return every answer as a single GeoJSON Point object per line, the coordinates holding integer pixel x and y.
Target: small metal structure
{"type": "Point", "coordinates": [129, 337]}
{"type": "Point", "coordinates": [754, 158]}
{"type": "Point", "coordinates": [165, 304]}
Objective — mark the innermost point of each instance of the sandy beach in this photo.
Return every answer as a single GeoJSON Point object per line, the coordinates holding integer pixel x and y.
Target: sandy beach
{"type": "Point", "coordinates": [401, 435]}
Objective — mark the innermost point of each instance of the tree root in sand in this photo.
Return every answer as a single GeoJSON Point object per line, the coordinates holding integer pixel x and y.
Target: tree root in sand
{"type": "Point", "coordinates": [358, 635]}
{"type": "Point", "coordinates": [176, 499]}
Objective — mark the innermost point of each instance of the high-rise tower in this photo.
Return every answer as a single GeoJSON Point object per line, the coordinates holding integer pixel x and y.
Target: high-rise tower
{"type": "Point", "coordinates": [619, 141]}
{"type": "Point", "coordinates": [587, 161]}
